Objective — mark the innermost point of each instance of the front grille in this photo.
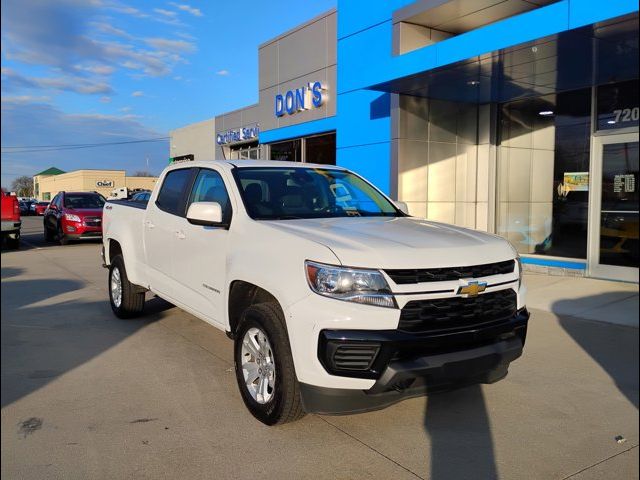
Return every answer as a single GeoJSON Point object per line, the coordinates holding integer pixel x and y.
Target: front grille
{"type": "Point", "coordinates": [421, 275]}
{"type": "Point", "coordinates": [458, 312]}
{"type": "Point", "coordinates": [354, 356]}
{"type": "Point", "coordinates": [92, 221]}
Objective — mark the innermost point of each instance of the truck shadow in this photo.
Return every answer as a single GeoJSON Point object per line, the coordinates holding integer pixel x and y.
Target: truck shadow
{"type": "Point", "coordinates": [458, 426]}
{"type": "Point", "coordinates": [43, 339]}
{"type": "Point", "coordinates": [613, 347]}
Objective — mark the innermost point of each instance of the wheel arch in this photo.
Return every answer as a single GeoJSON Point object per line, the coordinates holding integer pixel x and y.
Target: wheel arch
{"type": "Point", "coordinates": [243, 294]}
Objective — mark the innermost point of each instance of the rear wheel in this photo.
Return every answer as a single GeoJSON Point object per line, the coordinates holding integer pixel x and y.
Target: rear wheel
{"type": "Point", "coordinates": [13, 240]}
{"type": "Point", "coordinates": [264, 366]}
{"type": "Point", "coordinates": [127, 299]}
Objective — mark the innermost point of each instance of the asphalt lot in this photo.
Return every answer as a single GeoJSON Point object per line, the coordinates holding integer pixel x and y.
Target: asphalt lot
{"type": "Point", "coordinates": [85, 395]}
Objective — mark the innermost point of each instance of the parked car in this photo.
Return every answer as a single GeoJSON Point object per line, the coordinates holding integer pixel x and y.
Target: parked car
{"type": "Point", "coordinates": [74, 216]}
{"type": "Point", "coordinates": [11, 222]}
{"type": "Point", "coordinates": [40, 207]}
{"type": "Point", "coordinates": [141, 197]}
{"type": "Point", "coordinates": [25, 207]}
{"type": "Point", "coordinates": [336, 299]}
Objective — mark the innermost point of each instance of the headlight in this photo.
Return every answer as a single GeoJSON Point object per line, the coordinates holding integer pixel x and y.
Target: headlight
{"type": "Point", "coordinates": [349, 284]}
{"type": "Point", "coordinates": [71, 217]}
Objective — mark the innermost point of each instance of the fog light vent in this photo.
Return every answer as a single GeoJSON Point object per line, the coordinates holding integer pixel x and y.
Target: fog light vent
{"type": "Point", "coordinates": [355, 356]}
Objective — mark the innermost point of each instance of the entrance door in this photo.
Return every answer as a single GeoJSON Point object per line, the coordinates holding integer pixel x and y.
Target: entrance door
{"type": "Point", "coordinates": [613, 239]}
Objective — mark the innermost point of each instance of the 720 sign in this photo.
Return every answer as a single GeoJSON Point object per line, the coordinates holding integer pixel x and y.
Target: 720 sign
{"type": "Point", "coordinates": [627, 115]}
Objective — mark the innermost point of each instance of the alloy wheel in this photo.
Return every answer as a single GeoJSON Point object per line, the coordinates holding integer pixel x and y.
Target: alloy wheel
{"type": "Point", "coordinates": [258, 365]}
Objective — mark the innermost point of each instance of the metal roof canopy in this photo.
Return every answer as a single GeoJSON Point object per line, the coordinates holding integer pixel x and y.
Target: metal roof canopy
{"type": "Point", "coordinates": [593, 55]}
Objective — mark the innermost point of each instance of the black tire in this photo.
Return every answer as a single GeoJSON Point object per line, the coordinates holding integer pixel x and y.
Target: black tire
{"type": "Point", "coordinates": [48, 236]}
{"type": "Point", "coordinates": [285, 405]}
{"type": "Point", "coordinates": [132, 296]}
{"type": "Point", "coordinates": [13, 241]}
{"type": "Point", "coordinates": [62, 238]}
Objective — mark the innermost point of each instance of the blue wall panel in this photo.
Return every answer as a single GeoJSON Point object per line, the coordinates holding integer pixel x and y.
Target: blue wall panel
{"type": "Point", "coordinates": [373, 162]}
{"type": "Point", "coordinates": [363, 118]}
{"type": "Point", "coordinates": [300, 130]}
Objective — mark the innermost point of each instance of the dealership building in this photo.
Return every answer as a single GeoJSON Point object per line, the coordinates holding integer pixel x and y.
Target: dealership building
{"type": "Point", "coordinates": [510, 116]}
{"type": "Point", "coordinates": [49, 182]}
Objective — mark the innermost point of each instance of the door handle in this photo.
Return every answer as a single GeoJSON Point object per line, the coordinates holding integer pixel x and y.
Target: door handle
{"type": "Point", "coordinates": [180, 234]}
{"type": "Point", "coordinates": [149, 224]}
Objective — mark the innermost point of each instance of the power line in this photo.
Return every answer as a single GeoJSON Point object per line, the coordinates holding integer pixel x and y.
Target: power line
{"type": "Point", "coordinates": [55, 148]}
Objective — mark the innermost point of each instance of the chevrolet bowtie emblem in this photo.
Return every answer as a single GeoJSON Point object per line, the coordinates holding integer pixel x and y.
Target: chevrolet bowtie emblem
{"type": "Point", "coordinates": [472, 289]}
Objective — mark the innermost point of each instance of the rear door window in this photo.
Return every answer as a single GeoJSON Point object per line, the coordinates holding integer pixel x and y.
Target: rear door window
{"type": "Point", "coordinates": [173, 193]}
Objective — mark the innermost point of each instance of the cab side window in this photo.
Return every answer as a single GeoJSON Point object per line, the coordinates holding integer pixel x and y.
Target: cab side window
{"type": "Point", "coordinates": [172, 193]}
{"type": "Point", "coordinates": [209, 187]}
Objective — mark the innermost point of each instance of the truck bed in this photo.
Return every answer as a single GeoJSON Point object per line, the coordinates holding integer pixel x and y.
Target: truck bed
{"type": "Point", "coordinates": [129, 203]}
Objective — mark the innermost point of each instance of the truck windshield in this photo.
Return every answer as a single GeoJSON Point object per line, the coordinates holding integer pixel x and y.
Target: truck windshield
{"type": "Point", "coordinates": [283, 193]}
{"type": "Point", "coordinates": [83, 201]}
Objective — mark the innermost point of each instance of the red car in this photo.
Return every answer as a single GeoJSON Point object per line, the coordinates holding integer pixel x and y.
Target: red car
{"type": "Point", "coordinates": [40, 208]}
{"type": "Point", "coordinates": [11, 222]}
{"type": "Point", "coordinates": [74, 216]}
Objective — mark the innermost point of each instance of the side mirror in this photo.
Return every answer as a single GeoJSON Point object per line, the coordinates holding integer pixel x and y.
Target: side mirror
{"type": "Point", "coordinates": [402, 206]}
{"type": "Point", "coordinates": [207, 214]}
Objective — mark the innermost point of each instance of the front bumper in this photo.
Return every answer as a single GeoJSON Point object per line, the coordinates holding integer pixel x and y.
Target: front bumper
{"type": "Point", "coordinates": [407, 365]}
{"type": "Point", "coordinates": [79, 231]}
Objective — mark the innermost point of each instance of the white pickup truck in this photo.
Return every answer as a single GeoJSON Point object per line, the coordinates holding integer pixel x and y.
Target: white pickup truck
{"type": "Point", "coordinates": [337, 300]}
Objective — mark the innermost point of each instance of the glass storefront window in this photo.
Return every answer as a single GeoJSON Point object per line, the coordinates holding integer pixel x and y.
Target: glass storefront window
{"type": "Point", "coordinates": [543, 173]}
{"type": "Point", "coordinates": [290, 151]}
{"type": "Point", "coordinates": [247, 151]}
{"type": "Point", "coordinates": [618, 105]}
{"type": "Point", "coordinates": [619, 208]}
{"type": "Point", "coordinates": [321, 149]}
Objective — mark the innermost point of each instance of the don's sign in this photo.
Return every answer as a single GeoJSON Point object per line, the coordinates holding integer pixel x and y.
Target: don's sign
{"type": "Point", "coordinates": [312, 95]}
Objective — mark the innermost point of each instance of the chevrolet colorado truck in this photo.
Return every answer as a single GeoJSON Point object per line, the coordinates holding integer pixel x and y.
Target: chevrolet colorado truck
{"type": "Point", "coordinates": [336, 299]}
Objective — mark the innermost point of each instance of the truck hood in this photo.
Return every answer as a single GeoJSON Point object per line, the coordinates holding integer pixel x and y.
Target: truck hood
{"type": "Point", "coordinates": [399, 242]}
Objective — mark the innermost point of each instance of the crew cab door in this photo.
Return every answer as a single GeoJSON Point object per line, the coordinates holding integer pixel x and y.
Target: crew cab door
{"type": "Point", "coordinates": [201, 252]}
{"type": "Point", "coordinates": [163, 218]}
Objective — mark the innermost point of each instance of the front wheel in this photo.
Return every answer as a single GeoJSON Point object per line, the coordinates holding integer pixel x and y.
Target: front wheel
{"type": "Point", "coordinates": [62, 238]}
{"type": "Point", "coordinates": [127, 299]}
{"type": "Point", "coordinates": [264, 366]}
{"type": "Point", "coordinates": [48, 235]}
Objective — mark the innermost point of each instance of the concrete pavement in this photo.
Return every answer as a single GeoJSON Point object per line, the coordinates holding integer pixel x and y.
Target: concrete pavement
{"type": "Point", "coordinates": [85, 395]}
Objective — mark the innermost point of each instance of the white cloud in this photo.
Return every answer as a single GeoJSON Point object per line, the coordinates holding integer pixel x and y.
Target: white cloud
{"type": "Point", "coordinates": [166, 13]}
{"type": "Point", "coordinates": [169, 45]}
{"type": "Point", "coordinates": [13, 81]}
{"type": "Point", "coordinates": [109, 29]}
{"type": "Point", "coordinates": [223, 73]}
{"type": "Point", "coordinates": [72, 36]}
{"type": "Point", "coordinates": [187, 8]}
{"type": "Point", "coordinates": [137, 93]}
{"type": "Point", "coordinates": [97, 69]}
{"type": "Point", "coordinates": [105, 99]}
{"type": "Point", "coordinates": [25, 99]}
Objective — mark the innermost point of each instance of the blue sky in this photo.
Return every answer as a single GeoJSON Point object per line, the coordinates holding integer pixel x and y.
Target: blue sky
{"type": "Point", "coordinates": [97, 71]}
